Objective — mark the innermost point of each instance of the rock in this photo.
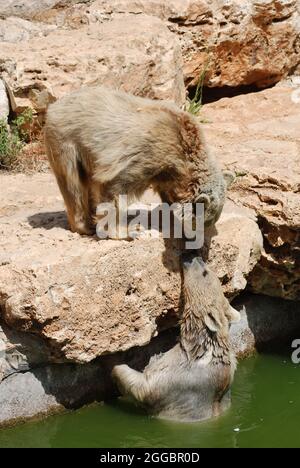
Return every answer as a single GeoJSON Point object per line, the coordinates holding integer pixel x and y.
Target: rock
{"type": "Point", "coordinates": [235, 249]}
{"type": "Point", "coordinates": [257, 136]}
{"type": "Point", "coordinates": [87, 297]}
{"type": "Point", "coordinates": [20, 352]}
{"type": "Point", "coordinates": [266, 323]}
{"type": "Point", "coordinates": [48, 390]}
{"type": "Point", "coordinates": [146, 61]}
{"type": "Point", "coordinates": [4, 102]}
{"type": "Point", "coordinates": [45, 389]}
{"type": "Point", "coordinates": [30, 8]}
{"type": "Point", "coordinates": [18, 30]}
{"type": "Point", "coordinates": [244, 42]}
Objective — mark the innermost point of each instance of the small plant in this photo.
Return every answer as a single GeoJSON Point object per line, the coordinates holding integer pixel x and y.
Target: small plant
{"type": "Point", "coordinates": [240, 174]}
{"type": "Point", "coordinates": [13, 139]}
{"type": "Point", "coordinates": [22, 125]}
{"type": "Point", "coordinates": [194, 105]}
{"type": "Point", "coordinates": [10, 146]}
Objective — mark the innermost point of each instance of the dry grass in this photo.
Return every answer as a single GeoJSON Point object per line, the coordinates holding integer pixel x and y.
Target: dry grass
{"type": "Point", "coordinates": [21, 145]}
{"type": "Point", "coordinates": [32, 158]}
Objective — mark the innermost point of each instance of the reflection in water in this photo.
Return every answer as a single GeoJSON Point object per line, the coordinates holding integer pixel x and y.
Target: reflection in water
{"type": "Point", "coordinates": [265, 412]}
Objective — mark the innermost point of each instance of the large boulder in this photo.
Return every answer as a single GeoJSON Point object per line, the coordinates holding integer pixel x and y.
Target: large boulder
{"type": "Point", "coordinates": [242, 43]}
{"type": "Point", "coordinates": [236, 43]}
{"type": "Point", "coordinates": [257, 136]}
{"type": "Point", "coordinates": [87, 297]}
{"type": "Point", "coordinates": [235, 248]}
{"type": "Point", "coordinates": [137, 54]}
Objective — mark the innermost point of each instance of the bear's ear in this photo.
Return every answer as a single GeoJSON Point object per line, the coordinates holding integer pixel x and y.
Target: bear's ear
{"type": "Point", "coordinates": [205, 199]}
{"type": "Point", "coordinates": [212, 323]}
{"type": "Point", "coordinates": [229, 178]}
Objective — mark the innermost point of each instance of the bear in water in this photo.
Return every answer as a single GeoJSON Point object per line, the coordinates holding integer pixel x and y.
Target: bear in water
{"type": "Point", "coordinates": [191, 381]}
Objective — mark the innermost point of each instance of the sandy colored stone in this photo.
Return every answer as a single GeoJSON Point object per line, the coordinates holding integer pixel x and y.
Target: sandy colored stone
{"type": "Point", "coordinates": [235, 249]}
{"type": "Point", "coordinates": [137, 54]}
{"type": "Point", "coordinates": [258, 136]}
{"type": "Point", "coordinates": [249, 42]}
{"type": "Point", "coordinates": [84, 296]}
{"type": "Point", "coordinates": [30, 8]}
{"type": "Point", "coordinates": [15, 29]}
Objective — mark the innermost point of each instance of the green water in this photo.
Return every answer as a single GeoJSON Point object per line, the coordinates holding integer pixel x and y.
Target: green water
{"type": "Point", "coordinates": [265, 412]}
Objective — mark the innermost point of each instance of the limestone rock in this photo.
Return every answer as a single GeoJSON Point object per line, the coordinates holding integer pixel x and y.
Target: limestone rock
{"type": "Point", "coordinates": [257, 136]}
{"type": "Point", "coordinates": [235, 249]}
{"type": "Point", "coordinates": [88, 297]}
{"type": "Point", "coordinates": [30, 8]}
{"type": "Point", "coordinates": [4, 102]}
{"type": "Point", "coordinates": [15, 30]}
{"type": "Point", "coordinates": [137, 54]}
{"type": "Point", "coordinates": [21, 352]}
{"type": "Point", "coordinates": [249, 42]}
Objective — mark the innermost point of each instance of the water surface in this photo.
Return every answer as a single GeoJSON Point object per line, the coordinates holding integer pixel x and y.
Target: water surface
{"type": "Point", "coordinates": [265, 412]}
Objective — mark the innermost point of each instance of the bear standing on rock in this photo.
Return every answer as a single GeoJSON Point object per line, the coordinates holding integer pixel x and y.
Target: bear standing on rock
{"type": "Point", "coordinates": [103, 143]}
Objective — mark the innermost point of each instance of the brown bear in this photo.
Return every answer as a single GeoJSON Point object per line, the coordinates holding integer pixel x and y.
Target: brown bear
{"type": "Point", "coordinates": [103, 143]}
{"type": "Point", "coordinates": [191, 381]}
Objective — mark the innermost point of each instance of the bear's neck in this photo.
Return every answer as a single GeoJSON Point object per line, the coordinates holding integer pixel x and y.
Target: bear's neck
{"type": "Point", "coordinates": [198, 341]}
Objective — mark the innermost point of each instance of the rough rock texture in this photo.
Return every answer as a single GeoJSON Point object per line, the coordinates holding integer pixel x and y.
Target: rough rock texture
{"type": "Point", "coordinates": [146, 47]}
{"type": "Point", "coordinates": [266, 322]}
{"type": "Point", "coordinates": [137, 54]}
{"type": "Point", "coordinates": [235, 249]}
{"type": "Point", "coordinates": [244, 42]}
{"type": "Point", "coordinates": [33, 387]}
{"type": "Point", "coordinates": [14, 30]}
{"type": "Point", "coordinates": [88, 297]}
{"type": "Point", "coordinates": [37, 388]}
{"type": "Point", "coordinates": [4, 102]}
{"type": "Point", "coordinates": [30, 8]}
{"type": "Point", "coordinates": [258, 136]}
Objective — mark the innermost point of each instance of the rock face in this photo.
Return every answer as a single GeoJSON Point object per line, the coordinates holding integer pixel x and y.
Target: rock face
{"type": "Point", "coordinates": [235, 249]}
{"type": "Point", "coordinates": [249, 42]}
{"type": "Point", "coordinates": [146, 47]}
{"type": "Point", "coordinates": [14, 30]}
{"type": "Point", "coordinates": [4, 102]}
{"type": "Point", "coordinates": [88, 297]}
{"type": "Point", "coordinates": [30, 8]}
{"type": "Point", "coordinates": [137, 54]}
{"type": "Point", "coordinates": [258, 137]}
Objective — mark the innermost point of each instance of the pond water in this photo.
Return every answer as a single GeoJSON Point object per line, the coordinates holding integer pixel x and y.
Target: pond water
{"type": "Point", "coordinates": [265, 412]}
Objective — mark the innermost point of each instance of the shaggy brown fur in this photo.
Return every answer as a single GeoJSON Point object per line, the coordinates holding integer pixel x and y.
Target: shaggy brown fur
{"type": "Point", "coordinates": [192, 380]}
{"type": "Point", "coordinates": [103, 143]}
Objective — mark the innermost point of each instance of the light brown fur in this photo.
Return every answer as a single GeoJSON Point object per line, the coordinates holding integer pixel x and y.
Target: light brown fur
{"type": "Point", "coordinates": [103, 143]}
{"type": "Point", "coordinates": [192, 380]}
